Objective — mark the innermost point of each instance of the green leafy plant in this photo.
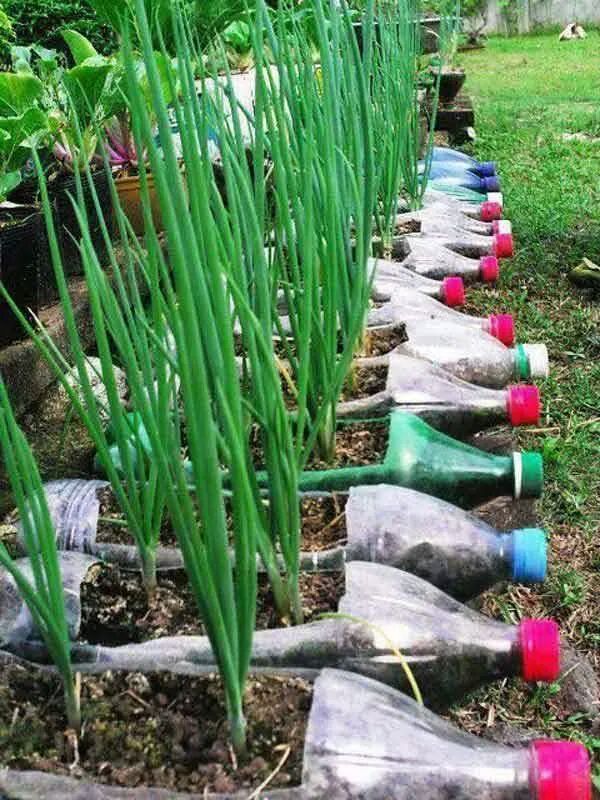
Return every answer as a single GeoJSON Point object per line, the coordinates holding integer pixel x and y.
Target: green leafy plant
{"type": "Point", "coordinates": [40, 587]}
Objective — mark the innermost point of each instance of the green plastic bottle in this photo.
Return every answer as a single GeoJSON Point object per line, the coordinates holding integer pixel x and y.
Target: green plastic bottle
{"type": "Point", "coordinates": [420, 457]}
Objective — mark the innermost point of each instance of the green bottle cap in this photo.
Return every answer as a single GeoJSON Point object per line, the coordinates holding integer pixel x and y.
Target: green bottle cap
{"type": "Point", "coordinates": [528, 471]}
{"type": "Point", "coordinates": [522, 366]}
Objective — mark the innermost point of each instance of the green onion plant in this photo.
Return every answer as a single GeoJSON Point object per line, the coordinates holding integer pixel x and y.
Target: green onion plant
{"type": "Point", "coordinates": [41, 587]}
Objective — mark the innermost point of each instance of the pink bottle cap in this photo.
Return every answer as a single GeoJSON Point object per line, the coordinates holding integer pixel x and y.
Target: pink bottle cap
{"type": "Point", "coordinates": [489, 269]}
{"type": "Point", "coordinates": [502, 326]}
{"type": "Point", "coordinates": [504, 245]}
{"type": "Point", "coordinates": [490, 211]}
{"type": "Point", "coordinates": [523, 405]}
{"type": "Point", "coordinates": [540, 650]}
{"type": "Point", "coordinates": [560, 771]}
{"type": "Point", "coordinates": [453, 291]}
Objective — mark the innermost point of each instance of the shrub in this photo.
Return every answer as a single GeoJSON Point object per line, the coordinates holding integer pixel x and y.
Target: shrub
{"type": "Point", "coordinates": [7, 36]}
{"type": "Point", "coordinates": [41, 22]}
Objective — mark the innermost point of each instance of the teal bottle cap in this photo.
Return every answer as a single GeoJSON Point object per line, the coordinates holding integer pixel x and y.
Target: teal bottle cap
{"type": "Point", "coordinates": [522, 368]}
{"type": "Point", "coordinates": [528, 470]}
{"type": "Point", "coordinates": [530, 555]}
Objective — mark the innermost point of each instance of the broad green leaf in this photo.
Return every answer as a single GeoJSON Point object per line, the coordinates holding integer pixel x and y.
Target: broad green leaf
{"type": "Point", "coordinates": [84, 85]}
{"type": "Point", "coordinates": [18, 92]}
{"type": "Point", "coordinates": [21, 58]}
{"type": "Point", "coordinates": [21, 132]}
{"type": "Point", "coordinates": [80, 47]}
{"type": "Point", "coordinates": [8, 183]}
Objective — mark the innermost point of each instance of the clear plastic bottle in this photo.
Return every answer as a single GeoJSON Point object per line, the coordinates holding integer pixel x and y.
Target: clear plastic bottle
{"type": "Point", "coordinates": [487, 211]}
{"type": "Point", "coordinates": [369, 741]}
{"type": "Point", "coordinates": [430, 257]}
{"type": "Point", "coordinates": [445, 402]}
{"type": "Point", "coordinates": [389, 277]}
{"type": "Point", "coordinates": [452, 236]}
{"type": "Point", "coordinates": [442, 215]}
{"type": "Point", "coordinates": [420, 457]}
{"type": "Point", "coordinates": [474, 356]}
{"type": "Point", "coordinates": [407, 304]}
{"type": "Point", "coordinates": [442, 544]}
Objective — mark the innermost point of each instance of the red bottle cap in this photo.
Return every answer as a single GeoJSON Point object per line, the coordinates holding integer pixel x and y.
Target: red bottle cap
{"type": "Point", "coordinates": [489, 269]}
{"type": "Point", "coordinates": [502, 326]}
{"type": "Point", "coordinates": [540, 650]}
{"type": "Point", "coordinates": [560, 771]}
{"type": "Point", "coordinates": [490, 211]}
{"type": "Point", "coordinates": [503, 245]}
{"type": "Point", "coordinates": [523, 405]}
{"type": "Point", "coordinates": [453, 291]}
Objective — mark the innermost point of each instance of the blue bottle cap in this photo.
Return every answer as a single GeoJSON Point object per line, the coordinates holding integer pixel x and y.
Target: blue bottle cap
{"type": "Point", "coordinates": [491, 184]}
{"type": "Point", "coordinates": [487, 169]}
{"type": "Point", "coordinates": [530, 555]}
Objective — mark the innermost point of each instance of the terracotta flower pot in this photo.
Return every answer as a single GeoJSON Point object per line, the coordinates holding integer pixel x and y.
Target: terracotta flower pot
{"type": "Point", "coordinates": [130, 197]}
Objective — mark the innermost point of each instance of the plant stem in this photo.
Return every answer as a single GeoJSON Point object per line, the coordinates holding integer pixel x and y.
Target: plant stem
{"type": "Point", "coordinates": [72, 688]}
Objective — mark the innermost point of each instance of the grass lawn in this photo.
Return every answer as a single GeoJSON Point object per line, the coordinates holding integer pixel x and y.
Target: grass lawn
{"type": "Point", "coordinates": [528, 93]}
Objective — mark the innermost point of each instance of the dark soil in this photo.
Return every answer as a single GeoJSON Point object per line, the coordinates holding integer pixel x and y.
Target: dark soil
{"type": "Point", "coordinates": [323, 524]}
{"type": "Point", "coordinates": [365, 381]}
{"type": "Point", "coordinates": [157, 730]}
{"type": "Point", "coordinates": [384, 340]}
{"type": "Point", "coordinates": [357, 444]}
{"type": "Point", "coordinates": [115, 607]}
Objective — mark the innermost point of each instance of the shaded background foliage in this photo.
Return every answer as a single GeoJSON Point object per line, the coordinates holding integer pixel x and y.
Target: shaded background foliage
{"type": "Point", "coordinates": [41, 21]}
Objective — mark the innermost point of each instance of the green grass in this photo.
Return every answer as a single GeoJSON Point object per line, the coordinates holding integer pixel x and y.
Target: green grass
{"type": "Point", "coordinates": [528, 93]}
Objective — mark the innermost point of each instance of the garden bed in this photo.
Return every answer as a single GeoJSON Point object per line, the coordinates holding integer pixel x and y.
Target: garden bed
{"type": "Point", "coordinates": [158, 730]}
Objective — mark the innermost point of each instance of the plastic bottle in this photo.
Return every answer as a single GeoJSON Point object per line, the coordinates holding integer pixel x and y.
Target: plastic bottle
{"type": "Point", "coordinates": [450, 648]}
{"type": "Point", "coordinates": [487, 211]}
{"type": "Point", "coordinates": [474, 356]}
{"type": "Point", "coordinates": [456, 190]}
{"type": "Point", "coordinates": [485, 169]}
{"type": "Point", "coordinates": [445, 402]}
{"type": "Point", "coordinates": [430, 258]}
{"type": "Point", "coordinates": [390, 276]}
{"type": "Point", "coordinates": [421, 458]}
{"type": "Point", "coordinates": [440, 543]}
{"type": "Point", "coordinates": [457, 239]}
{"type": "Point", "coordinates": [450, 176]}
{"type": "Point", "coordinates": [408, 304]}
{"type": "Point", "coordinates": [444, 215]}
{"type": "Point", "coordinates": [369, 741]}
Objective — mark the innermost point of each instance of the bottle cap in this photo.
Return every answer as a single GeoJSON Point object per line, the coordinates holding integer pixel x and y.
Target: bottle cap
{"type": "Point", "coordinates": [490, 211]}
{"type": "Point", "coordinates": [560, 771]}
{"type": "Point", "coordinates": [530, 555]}
{"type": "Point", "coordinates": [487, 168]}
{"type": "Point", "coordinates": [523, 405]}
{"type": "Point", "coordinates": [489, 269]}
{"type": "Point", "coordinates": [528, 473]}
{"type": "Point", "coordinates": [539, 360]}
{"type": "Point", "coordinates": [496, 197]}
{"type": "Point", "coordinates": [503, 246]}
{"type": "Point", "coordinates": [502, 326]}
{"type": "Point", "coordinates": [491, 184]}
{"type": "Point", "coordinates": [501, 226]}
{"type": "Point", "coordinates": [453, 291]}
{"type": "Point", "coordinates": [540, 650]}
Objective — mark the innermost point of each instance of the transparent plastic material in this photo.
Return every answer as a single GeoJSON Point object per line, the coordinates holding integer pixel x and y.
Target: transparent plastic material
{"type": "Point", "coordinates": [469, 354]}
{"type": "Point", "coordinates": [390, 276]}
{"type": "Point", "coordinates": [455, 176]}
{"type": "Point", "coordinates": [368, 741]}
{"type": "Point", "coordinates": [409, 304]}
{"type": "Point", "coordinates": [440, 217]}
{"type": "Point", "coordinates": [444, 401]}
{"type": "Point", "coordinates": [449, 155]}
{"type": "Point", "coordinates": [444, 545]}
{"type": "Point", "coordinates": [454, 237]}
{"type": "Point", "coordinates": [430, 257]}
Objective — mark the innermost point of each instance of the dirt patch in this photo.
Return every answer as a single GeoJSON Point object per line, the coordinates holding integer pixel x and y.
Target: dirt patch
{"type": "Point", "coordinates": [324, 522]}
{"type": "Point", "coordinates": [116, 610]}
{"type": "Point", "coordinates": [365, 381]}
{"type": "Point", "coordinates": [154, 730]}
{"type": "Point", "coordinates": [357, 444]}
